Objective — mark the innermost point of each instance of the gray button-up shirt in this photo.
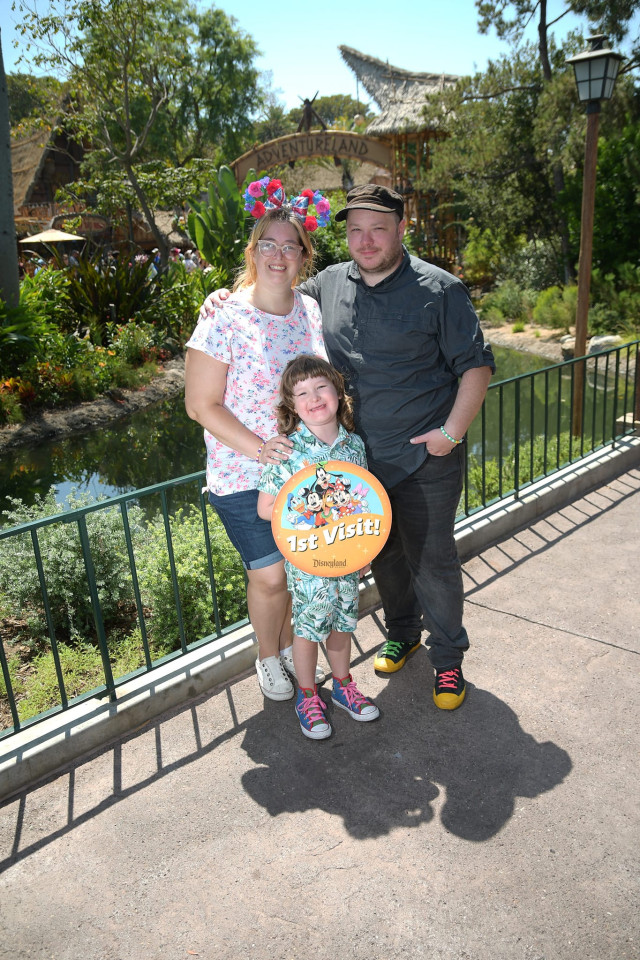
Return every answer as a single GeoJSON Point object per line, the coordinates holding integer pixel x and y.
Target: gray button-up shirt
{"type": "Point", "coordinates": [401, 346]}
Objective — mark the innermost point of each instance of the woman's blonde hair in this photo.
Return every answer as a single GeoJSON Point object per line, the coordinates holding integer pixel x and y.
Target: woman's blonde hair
{"type": "Point", "coordinates": [304, 367]}
{"type": "Point", "coordinates": [247, 274]}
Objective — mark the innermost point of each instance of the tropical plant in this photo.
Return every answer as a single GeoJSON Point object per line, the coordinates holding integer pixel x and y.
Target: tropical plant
{"type": "Point", "coordinates": [216, 225]}
{"type": "Point", "coordinates": [102, 290]}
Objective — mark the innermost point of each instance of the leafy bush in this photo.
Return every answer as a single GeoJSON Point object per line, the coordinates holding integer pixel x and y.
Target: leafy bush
{"type": "Point", "coordinates": [23, 329]}
{"type": "Point", "coordinates": [193, 577]}
{"type": "Point", "coordinates": [535, 265]}
{"type": "Point", "coordinates": [331, 241]}
{"type": "Point", "coordinates": [174, 311]}
{"type": "Point", "coordinates": [556, 308]}
{"type": "Point", "coordinates": [10, 408]}
{"type": "Point", "coordinates": [507, 302]}
{"type": "Point", "coordinates": [481, 258]}
{"type": "Point", "coordinates": [492, 471]}
{"type": "Point", "coordinates": [116, 290]}
{"type": "Point", "coordinates": [64, 568]}
{"type": "Point", "coordinates": [616, 298]}
{"type": "Point", "coordinates": [47, 295]}
{"type": "Point", "coordinates": [20, 597]}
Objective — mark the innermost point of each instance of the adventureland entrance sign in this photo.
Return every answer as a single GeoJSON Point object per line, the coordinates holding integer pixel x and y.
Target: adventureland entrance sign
{"type": "Point", "coordinates": [307, 146]}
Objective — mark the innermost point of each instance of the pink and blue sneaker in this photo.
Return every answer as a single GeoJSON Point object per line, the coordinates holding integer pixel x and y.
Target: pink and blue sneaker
{"type": "Point", "coordinates": [347, 696]}
{"type": "Point", "coordinates": [310, 710]}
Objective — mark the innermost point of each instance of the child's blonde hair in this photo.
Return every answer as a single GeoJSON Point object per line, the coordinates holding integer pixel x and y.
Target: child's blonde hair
{"type": "Point", "coordinates": [304, 367]}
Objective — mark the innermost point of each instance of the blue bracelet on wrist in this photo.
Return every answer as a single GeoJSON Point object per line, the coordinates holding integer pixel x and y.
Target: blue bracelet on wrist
{"type": "Point", "coordinates": [450, 438]}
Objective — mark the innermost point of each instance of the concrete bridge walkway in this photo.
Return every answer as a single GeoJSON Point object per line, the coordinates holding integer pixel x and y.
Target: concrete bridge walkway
{"type": "Point", "coordinates": [506, 830]}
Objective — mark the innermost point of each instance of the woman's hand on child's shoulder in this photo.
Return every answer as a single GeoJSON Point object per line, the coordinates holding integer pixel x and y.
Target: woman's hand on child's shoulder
{"type": "Point", "coordinates": [275, 450]}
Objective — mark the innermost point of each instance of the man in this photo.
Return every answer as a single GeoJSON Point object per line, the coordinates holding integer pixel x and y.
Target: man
{"type": "Point", "coordinates": [404, 335]}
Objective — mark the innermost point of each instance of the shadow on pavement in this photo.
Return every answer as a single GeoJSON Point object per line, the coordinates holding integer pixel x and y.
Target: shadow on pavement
{"type": "Point", "coordinates": [387, 774]}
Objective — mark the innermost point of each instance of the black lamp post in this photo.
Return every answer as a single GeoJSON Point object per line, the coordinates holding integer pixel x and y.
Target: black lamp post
{"type": "Point", "coordinates": [596, 71]}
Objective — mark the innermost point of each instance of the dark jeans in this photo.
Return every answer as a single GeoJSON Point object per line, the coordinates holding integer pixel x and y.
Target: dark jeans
{"type": "Point", "coordinates": [418, 571]}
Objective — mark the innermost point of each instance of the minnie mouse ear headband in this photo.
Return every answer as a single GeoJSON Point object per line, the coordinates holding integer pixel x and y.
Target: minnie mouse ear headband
{"type": "Point", "coordinates": [264, 195]}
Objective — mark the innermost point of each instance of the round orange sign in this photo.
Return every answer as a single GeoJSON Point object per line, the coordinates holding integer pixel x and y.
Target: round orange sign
{"type": "Point", "coordinates": [331, 518]}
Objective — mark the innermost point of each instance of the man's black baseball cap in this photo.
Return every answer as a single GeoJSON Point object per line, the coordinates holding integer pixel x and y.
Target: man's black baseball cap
{"type": "Point", "coordinates": [372, 196]}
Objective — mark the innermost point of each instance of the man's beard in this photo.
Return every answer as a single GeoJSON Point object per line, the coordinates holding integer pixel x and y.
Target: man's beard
{"type": "Point", "coordinates": [388, 263]}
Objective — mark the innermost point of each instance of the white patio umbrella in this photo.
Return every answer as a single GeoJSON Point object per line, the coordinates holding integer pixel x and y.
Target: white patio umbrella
{"type": "Point", "coordinates": [51, 236]}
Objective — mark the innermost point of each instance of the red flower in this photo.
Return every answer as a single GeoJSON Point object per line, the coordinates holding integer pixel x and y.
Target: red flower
{"type": "Point", "coordinates": [307, 193]}
{"type": "Point", "coordinates": [259, 209]}
{"type": "Point", "coordinates": [273, 186]}
{"type": "Point", "coordinates": [310, 224]}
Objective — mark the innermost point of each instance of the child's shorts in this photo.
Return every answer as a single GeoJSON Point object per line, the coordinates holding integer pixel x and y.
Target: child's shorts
{"type": "Point", "coordinates": [322, 604]}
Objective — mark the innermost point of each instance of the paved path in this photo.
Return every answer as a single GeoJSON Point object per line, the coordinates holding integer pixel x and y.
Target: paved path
{"type": "Point", "coordinates": [506, 830]}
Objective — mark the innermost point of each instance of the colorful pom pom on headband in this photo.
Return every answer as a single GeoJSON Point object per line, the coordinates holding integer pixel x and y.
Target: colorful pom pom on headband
{"type": "Point", "coordinates": [264, 195]}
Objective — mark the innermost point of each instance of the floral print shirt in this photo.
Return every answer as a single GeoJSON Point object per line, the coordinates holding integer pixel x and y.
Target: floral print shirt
{"type": "Point", "coordinates": [256, 346]}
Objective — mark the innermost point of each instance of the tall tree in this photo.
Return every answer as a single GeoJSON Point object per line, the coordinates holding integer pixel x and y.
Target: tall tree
{"type": "Point", "coordinates": [9, 280]}
{"type": "Point", "coordinates": [149, 79]}
{"type": "Point", "coordinates": [511, 126]}
{"type": "Point", "coordinates": [32, 100]}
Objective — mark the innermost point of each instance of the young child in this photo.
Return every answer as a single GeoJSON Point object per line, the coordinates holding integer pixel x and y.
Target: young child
{"type": "Point", "coordinates": [316, 414]}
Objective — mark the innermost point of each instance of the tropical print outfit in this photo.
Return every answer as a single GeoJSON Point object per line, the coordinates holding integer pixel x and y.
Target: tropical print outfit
{"type": "Point", "coordinates": [320, 604]}
{"type": "Point", "coordinates": [256, 346]}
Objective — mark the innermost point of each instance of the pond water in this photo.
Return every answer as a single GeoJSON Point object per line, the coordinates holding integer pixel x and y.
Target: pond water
{"type": "Point", "coordinates": [155, 444]}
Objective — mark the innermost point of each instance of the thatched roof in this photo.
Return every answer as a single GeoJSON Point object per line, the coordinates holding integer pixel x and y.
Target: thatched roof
{"type": "Point", "coordinates": [400, 94]}
{"type": "Point", "coordinates": [27, 160]}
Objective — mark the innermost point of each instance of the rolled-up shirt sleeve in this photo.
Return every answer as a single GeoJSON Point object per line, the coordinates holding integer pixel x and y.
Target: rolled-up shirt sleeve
{"type": "Point", "coordinates": [460, 337]}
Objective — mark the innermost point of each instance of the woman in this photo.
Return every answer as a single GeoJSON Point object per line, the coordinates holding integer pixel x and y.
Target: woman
{"type": "Point", "coordinates": [233, 368]}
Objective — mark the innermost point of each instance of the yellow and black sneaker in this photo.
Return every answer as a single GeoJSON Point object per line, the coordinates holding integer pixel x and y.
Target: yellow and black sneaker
{"type": "Point", "coordinates": [449, 688]}
{"type": "Point", "coordinates": [392, 655]}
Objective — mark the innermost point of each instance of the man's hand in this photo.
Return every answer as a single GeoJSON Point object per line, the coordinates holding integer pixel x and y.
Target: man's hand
{"type": "Point", "coordinates": [435, 442]}
{"type": "Point", "coordinates": [215, 299]}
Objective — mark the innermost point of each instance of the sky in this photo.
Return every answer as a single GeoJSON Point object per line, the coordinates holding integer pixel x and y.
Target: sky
{"type": "Point", "coordinates": [301, 50]}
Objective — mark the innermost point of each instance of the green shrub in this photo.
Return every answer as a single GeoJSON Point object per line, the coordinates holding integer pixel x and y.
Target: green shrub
{"type": "Point", "coordinates": [331, 241]}
{"type": "Point", "coordinates": [556, 308]}
{"type": "Point", "coordinates": [508, 301]}
{"type": "Point", "coordinates": [518, 327]}
{"type": "Point", "coordinates": [535, 265]}
{"type": "Point", "coordinates": [492, 471]}
{"type": "Point", "coordinates": [481, 258]}
{"type": "Point", "coordinates": [133, 341]}
{"type": "Point", "coordinates": [10, 408]}
{"type": "Point", "coordinates": [193, 577]}
{"type": "Point", "coordinates": [65, 573]}
{"type": "Point", "coordinates": [217, 224]}
{"type": "Point", "coordinates": [616, 301]}
{"type": "Point", "coordinates": [36, 688]}
{"type": "Point", "coordinates": [47, 294]}
{"type": "Point", "coordinates": [116, 291]}
{"type": "Point", "coordinates": [174, 311]}
{"type": "Point", "coordinates": [23, 330]}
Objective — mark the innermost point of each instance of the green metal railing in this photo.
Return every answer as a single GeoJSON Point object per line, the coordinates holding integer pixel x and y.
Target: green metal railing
{"type": "Point", "coordinates": [523, 434]}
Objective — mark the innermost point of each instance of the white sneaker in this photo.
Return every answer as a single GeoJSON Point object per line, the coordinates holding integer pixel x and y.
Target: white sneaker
{"type": "Point", "coordinates": [286, 659]}
{"type": "Point", "coordinates": [274, 682]}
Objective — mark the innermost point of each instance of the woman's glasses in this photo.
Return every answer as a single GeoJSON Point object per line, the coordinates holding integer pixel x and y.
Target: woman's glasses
{"type": "Point", "coordinates": [267, 248]}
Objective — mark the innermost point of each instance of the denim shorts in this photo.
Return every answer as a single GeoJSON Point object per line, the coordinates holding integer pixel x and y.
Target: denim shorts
{"type": "Point", "coordinates": [249, 533]}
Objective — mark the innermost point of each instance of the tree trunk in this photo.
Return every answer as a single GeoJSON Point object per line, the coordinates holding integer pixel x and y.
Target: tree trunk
{"type": "Point", "coordinates": [159, 237]}
{"type": "Point", "coordinates": [9, 276]}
